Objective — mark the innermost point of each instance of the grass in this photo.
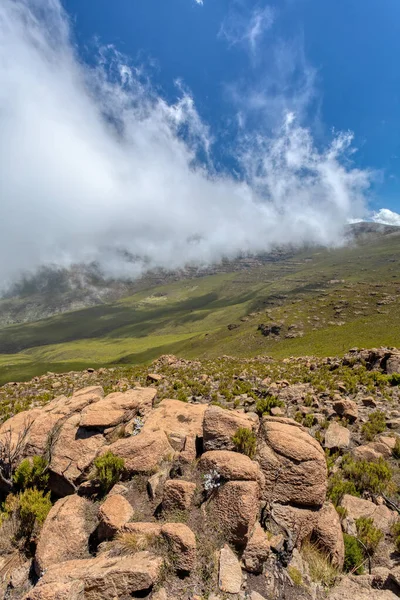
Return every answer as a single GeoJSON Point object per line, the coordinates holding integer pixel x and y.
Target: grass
{"type": "Point", "coordinates": [332, 300]}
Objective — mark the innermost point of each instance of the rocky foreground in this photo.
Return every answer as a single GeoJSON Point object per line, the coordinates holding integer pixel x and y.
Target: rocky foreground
{"type": "Point", "coordinates": [232, 479]}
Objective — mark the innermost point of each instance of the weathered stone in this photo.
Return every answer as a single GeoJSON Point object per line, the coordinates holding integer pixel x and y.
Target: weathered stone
{"type": "Point", "coordinates": [257, 550]}
{"type": "Point", "coordinates": [220, 425]}
{"type": "Point", "coordinates": [346, 408]}
{"type": "Point", "coordinates": [230, 465]}
{"type": "Point", "coordinates": [235, 510]}
{"type": "Point", "coordinates": [328, 534]}
{"type": "Point", "coordinates": [230, 573]}
{"type": "Point", "coordinates": [372, 451]}
{"type": "Point", "coordinates": [299, 521]}
{"type": "Point", "coordinates": [178, 495]}
{"type": "Point", "coordinates": [101, 418]}
{"type": "Point", "coordinates": [65, 532]}
{"type": "Point", "coordinates": [182, 543]}
{"type": "Point", "coordinates": [293, 464]}
{"type": "Point", "coordinates": [142, 453]}
{"type": "Point", "coordinates": [359, 588]}
{"type": "Point", "coordinates": [102, 578]}
{"type": "Point", "coordinates": [113, 513]}
{"type": "Point", "coordinates": [357, 507]}
{"type": "Point", "coordinates": [337, 437]}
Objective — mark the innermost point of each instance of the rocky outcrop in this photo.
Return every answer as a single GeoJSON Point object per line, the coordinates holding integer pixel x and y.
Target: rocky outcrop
{"type": "Point", "coordinates": [65, 533]}
{"type": "Point", "coordinates": [182, 543]}
{"type": "Point", "coordinates": [327, 533]}
{"type": "Point", "coordinates": [345, 408]}
{"type": "Point", "coordinates": [142, 453]}
{"type": "Point", "coordinates": [114, 513]}
{"type": "Point", "coordinates": [257, 550]}
{"type": "Point", "coordinates": [178, 495]}
{"type": "Point", "coordinates": [382, 516]}
{"type": "Point", "coordinates": [221, 425]}
{"type": "Point", "coordinates": [230, 465]}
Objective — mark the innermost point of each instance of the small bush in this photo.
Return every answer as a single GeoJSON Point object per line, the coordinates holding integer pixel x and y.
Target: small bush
{"type": "Point", "coordinates": [27, 510]}
{"type": "Point", "coordinates": [339, 487]}
{"type": "Point", "coordinates": [31, 474]}
{"type": "Point", "coordinates": [370, 476]}
{"type": "Point", "coordinates": [353, 555]}
{"type": "Point", "coordinates": [108, 470]}
{"type": "Point", "coordinates": [245, 442]}
{"type": "Point", "coordinates": [376, 424]}
{"type": "Point", "coordinates": [264, 405]}
{"type": "Point", "coordinates": [308, 420]}
{"type": "Point", "coordinates": [369, 535]}
{"type": "Point", "coordinates": [396, 535]}
{"type": "Point", "coordinates": [320, 566]}
{"type": "Point", "coordinates": [295, 576]}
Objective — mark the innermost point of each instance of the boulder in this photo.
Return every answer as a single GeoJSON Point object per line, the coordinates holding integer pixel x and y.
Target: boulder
{"type": "Point", "coordinates": [118, 407]}
{"type": "Point", "coordinates": [293, 464]}
{"type": "Point", "coordinates": [178, 495]}
{"type": "Point", "coordinates": [182, 422]}
{"type": "Point", "coordinates": [73, 452]}
{"type": "Point", "coordinates": [357, 507]}
{"type": "Point", "coordinates": [114, 513]}
{"type": "Point", "coordinates": [220, 425]}
{"type": "Point", "coordinates": [182, 543]}
{"type": "Point", "coordinates": [337, 437]}
{"type": "Point", "coordinates": [77, 402]}
{"type": "Point", "coordinates": [360, 587]}
{"type": "Point", "coordinates": [101, 578]}
{"type": "Point", "coordinates": [393, 364]}
{"type": "Point", "coordinates": [346, 408]}
{"type": "Point", "coordinates": [372, 451]}
{"type": "Point", "coordinates": [257, 550]}
{"type": "Point", "coordinates": [65, 532]}
{"type": "Point", "coordinates": [230, 465]}
{"type": "Point", "coordinates": [300, 522]}
{"type": "Point", "coordinates": [230, 573]}
{"type": "Point", "coordinates": [234, 509]}
{"type": "Point", "coordinates": [328, 535]}
{"type": "Point", "coordinates": [143, 452]}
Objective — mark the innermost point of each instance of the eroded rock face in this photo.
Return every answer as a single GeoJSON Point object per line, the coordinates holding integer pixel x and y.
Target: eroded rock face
{"type": "Point", "coordinates": [100, 578]}
{"type": "Point", "coordinates": [230, 573]}
{"type": "Point", "coordinates": [178, 495]}
{"type": "Point", "coordinates": [114, 513]}
{"type": "Point", "coordinates": [337, 437]}
{"type": "Point", "coordinates": [65, 533]}
{"type": "Point", "coordinates": [382, 516]}
{"type": "Point", "coordinates": [182, 543]}
{"type": "Point", "coordinates": [293, 464]}
{"type": "Point", "coordinates": [257, 550]}
{"type": "Point", "coordinates": [221, 425]}
{"type": "Point", "coordinates": [142, 453]}
{"type": "Point", "coordinates": [230, 465]}
{"type": "Point", "coordinates": [328, 535]}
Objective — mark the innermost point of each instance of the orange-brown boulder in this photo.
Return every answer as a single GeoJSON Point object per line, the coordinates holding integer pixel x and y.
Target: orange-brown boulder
{"type": "Point", "coordinates": [178, 495]}
{"type": "Point", "coordinates": [142, 453]}
{"type": "Point", "coordinates": [182, 544]}
{"type": "Point", "coordinates": [113, 513]}
{"type": "Point", "coordinates": [220, 425]}
{"type": "Point", "coordinates": [230, 465]}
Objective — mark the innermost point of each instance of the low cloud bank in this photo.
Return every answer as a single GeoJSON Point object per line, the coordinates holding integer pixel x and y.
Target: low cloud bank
{"type": "Point", "coordinates": [95, 166]}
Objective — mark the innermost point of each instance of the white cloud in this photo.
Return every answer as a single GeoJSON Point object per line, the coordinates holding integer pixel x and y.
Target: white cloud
{"type": "Point", "coordinates": [386, 217]}
{"type": "Point", "coordinates": [239, 28]}
{"type": "Point", "coordinates": [93, 162]}
{"type": "Point", "coordinates": [199, 2]}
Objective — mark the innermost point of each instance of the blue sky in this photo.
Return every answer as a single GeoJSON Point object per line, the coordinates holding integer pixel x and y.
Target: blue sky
{"type": "Point", "coordinates": [351, 46]}
{"type": "Point", "coordinates": [179, 131]}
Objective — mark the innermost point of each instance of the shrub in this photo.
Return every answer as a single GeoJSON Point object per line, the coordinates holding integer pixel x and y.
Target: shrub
{"type": "Point", "coordinates": [26, 510]}
{"type": "Point", "coordinates": [31, 474]}
{"type": "Point", "coordinates": [245, 441]}
{"type": "Point", "coordinates": [353, 555]}
{"type": "Point", "coordinates": [369, 535]}
{"type": "Point", "coordinates": [396, 535]}
{"type": "Point", "coordinates": [108, 470]}
{"type": "Point", "coordinates": [295, 576]}
{"type": "Point", "coordinates": [371, 476]}
{"type": "Point", "coordinates": [320, 566]}
{"type": "Point", "coordinates": [376, 424]}
{"type": "Point", "coordinates": [308, 420]}
{"type": "Point", "coordinates": [264, 405]}
{"type": "Point", "coordinates": [339, 487]}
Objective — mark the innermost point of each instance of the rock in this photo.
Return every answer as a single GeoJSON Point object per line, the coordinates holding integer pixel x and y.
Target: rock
{"type": "Point", "coordinates": [143, 452]}
{"type": "Point", "coordinates": [256, 596]}
{"type": "Point", "coordinates": [359, 588]}
{"type": "Point", "coordinates": [293, 464]}
{"type": "Point", "coordinates": [328, 534]}
{"type": "Point", "coordinates": [143, 529]}
{"type": "Point", "coordinates": [65, 532]}
{"type": "Point", "coordinates": [182, 543]}
{"type": "Point", "coordinates": [100, 578]}
{"type": "Point", "coordinates": [337, 437]}
{"type": "Point", "coordinates": [73, 452]}
{"type": "Point", "coordinates": [369, 401]}
{"type": "Point", "coordinates": [155, 483]}
{"type": "Point", "coordinates": [160, 594]}
{"type": "Point", "coordinates": [346, 408]}
{"type": "Point", "coordinates": [230, 573]}
{"type": "Point", "coordinates": [389, 441]}
{"type": "Point", "coordinates": [230, 465]}
{"type": "Point", "coordinates": [182, 423]}
{"type": "Point", "coordinates": [154, 377]}
{"type": "Point", "coordinates": [235, 509]}
{"type": "Point", "coordinates": [276, 411]}
{"type": "Point", "coordinates": [393, 364]}
{"type": "Point", "coordinates": [77, 402]}
{"type": "Point", "coordinates": [220, 425]}
{"type": "Point", "coordinates": [178, 495]}
{"type": "Point", "coordinates": [299, 521]}
{"type": "Point", "coordinates": [372, 451]}
{"type": "Point", "coordinates": [118, 407]}
{"type": "Point", "coordinates": [357, 507]}
{"type": "Point", "coordinates": [94, 419]}
{"type": "Point", "coordinates": [257, 550]}
{"type": "Point", "coordinates": [114, 513]}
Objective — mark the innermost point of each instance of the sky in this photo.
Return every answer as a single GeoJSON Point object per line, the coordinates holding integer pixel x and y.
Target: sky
{"type": "Point", "coordinates": [176, 131]}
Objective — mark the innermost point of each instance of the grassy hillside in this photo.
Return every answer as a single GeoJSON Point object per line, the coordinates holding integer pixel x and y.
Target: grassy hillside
{"type": "Point", "coordinates": [324, 302]}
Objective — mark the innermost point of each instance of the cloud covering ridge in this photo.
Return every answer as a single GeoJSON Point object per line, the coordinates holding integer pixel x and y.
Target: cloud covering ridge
{"type": "Point", "coordinates": [94, 162]}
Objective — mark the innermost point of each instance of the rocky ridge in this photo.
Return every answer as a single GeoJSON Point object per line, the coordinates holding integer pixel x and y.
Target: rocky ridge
{"type": "Point", "coordinates": [251, 487]}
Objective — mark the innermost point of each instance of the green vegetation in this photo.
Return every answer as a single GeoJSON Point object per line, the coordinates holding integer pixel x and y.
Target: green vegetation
{"type": "Point", "coordinates": [320, 566]}
{"type": "Point", "coordinates": [295, 576]}
{"type": "Point", "coordinates": [368, 476]}
{"type": "Point", "coordinates": [108, 469]}
{"type": "Point", "coordinates": [327, 302]}
{"type": "Point", "coordinates": [376, 424]}
{"type": "Point", "coordinates": [339, 487]}
{"type": "Point", "coordinates": [368, 534]}
{"type": "Point", "coordinates": [396, 449]}
{"type": "Point", "coordinates": [264, 405]}
{"type": "Point", "coordinates": [353, 555]}
{"type": "Point", "coordinates": [245, 441]}
{"type": "Point", "coordinates": [396, 535]}
{"type": "Point", "coordinates": [28, 510]}
{"type": "Point", "coordinates": [31, 474]}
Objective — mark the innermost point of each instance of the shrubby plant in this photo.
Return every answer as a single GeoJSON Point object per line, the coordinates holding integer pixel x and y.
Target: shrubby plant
{"type": "Point", "coordinates": [31, 474]}
{"type": "Point", "coordinates": [245, 442]}
{"type": "Point", "coordinates": [108, 470]}
{"type": "Point", "coordinates": [211, 481]}
{"type": "Point", "coordinates": [376, 424]}
{"type": "Point", "coordinates": [353, 555]}
{"type": "Point", "coordinates": [264, 405]}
